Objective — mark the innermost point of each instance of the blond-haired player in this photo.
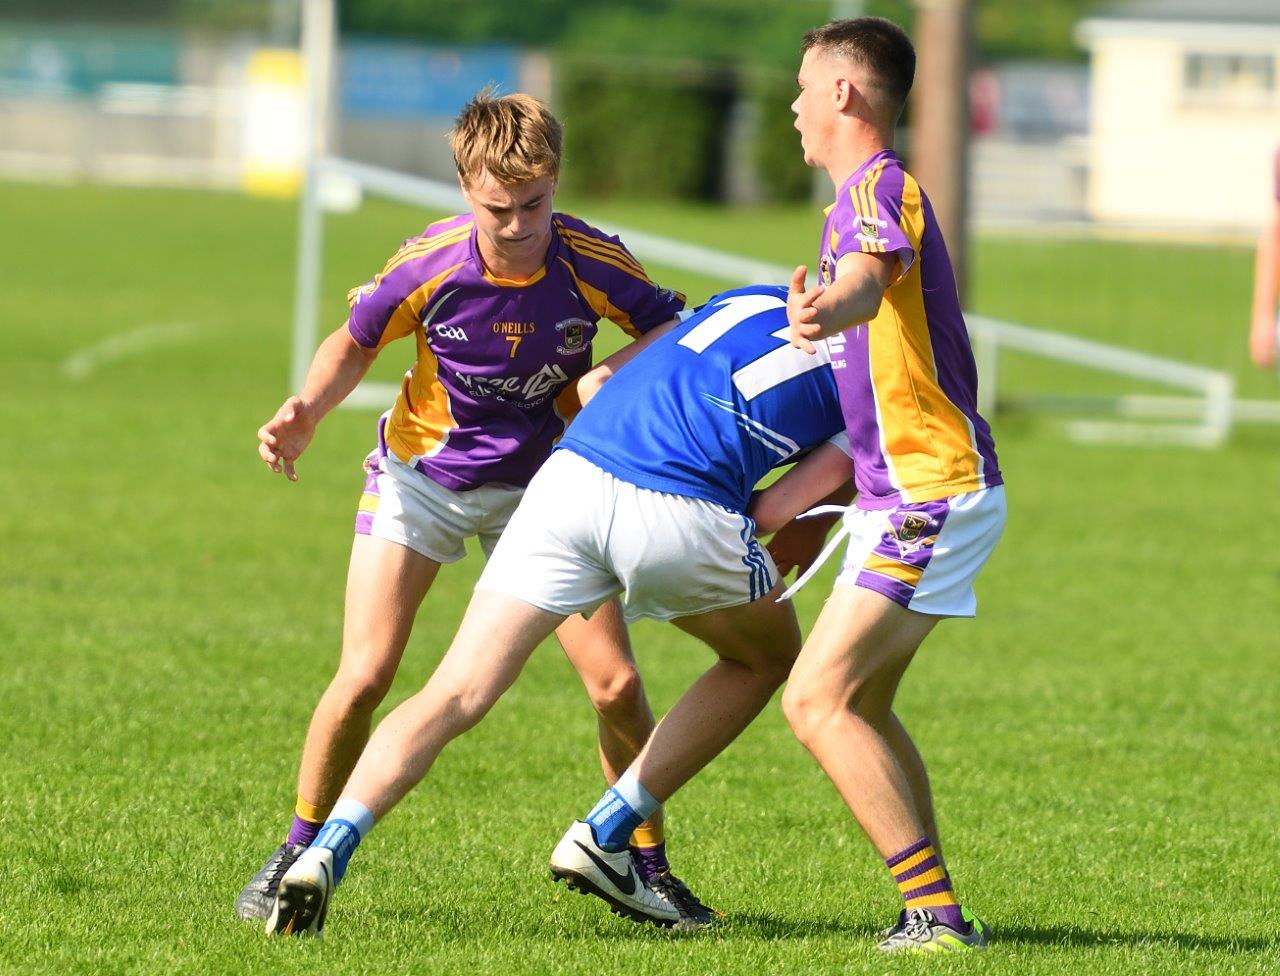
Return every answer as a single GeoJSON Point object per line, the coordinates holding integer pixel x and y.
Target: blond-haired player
{"type": "Point", "coordinates": [502, 303]}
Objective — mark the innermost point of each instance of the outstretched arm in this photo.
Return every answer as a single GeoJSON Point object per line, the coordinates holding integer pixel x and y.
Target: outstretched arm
{"type": "Point", "coordinates": [1266, 286]}
{"type": "Point", "coordinates": [797, 544]}
{"type": "Point", "coordinates": [337, 368]}
{"type": "Point", "coordinates": [824, 471]}
{"type": "Point", "coordinates": [853, 298]}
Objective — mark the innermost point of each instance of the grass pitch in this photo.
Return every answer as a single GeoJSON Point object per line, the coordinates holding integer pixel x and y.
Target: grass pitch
{"type": "Point", "coordinates": [1101, 738]}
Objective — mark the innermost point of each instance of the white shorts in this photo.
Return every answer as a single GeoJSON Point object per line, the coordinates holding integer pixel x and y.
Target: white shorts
{"type": "Point", "coordinates": [582, 536]}
{"type": "Point", "coordinates": [403, 505]}
{"type": "Point", "coordinates": [926, 555]}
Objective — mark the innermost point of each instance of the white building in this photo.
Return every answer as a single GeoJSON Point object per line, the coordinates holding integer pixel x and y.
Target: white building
{"type": "Point", "coordinates": [1184, 111]}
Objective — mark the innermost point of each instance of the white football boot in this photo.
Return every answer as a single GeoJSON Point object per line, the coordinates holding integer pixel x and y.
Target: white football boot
{"type": "Point", "coordinates": [582, 864]}
{"type": "Point", "coordinates": [302, 901]}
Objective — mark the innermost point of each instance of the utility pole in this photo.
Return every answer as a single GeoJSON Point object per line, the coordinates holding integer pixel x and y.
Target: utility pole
{"type": "Point", "coordinates": [939, 146]}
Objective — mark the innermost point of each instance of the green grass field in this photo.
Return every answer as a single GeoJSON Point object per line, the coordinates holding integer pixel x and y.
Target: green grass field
{"type": "Point", "coordinates": [1101, 739]}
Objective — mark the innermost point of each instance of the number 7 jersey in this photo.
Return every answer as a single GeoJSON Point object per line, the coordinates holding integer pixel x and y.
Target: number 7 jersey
{"type": "Point", "coordinates": [478, 407]}
{"type": "Point", "coordinates": [713, 405]}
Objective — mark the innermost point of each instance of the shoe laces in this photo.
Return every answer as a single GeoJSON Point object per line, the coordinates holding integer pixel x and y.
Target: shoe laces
{"type": "Point", "coordinates": [678, 894]}
{"type": "Point", "coordinates": [919, 923]}
{"type": "Point", "coordinates": [280, 866]}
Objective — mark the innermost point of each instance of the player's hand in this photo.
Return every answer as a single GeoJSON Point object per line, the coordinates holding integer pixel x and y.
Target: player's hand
{"type": "Point", "coordinates": [802, 313]}
{"type": "Point", "coordinates": [283, 438]}
{"type": "Point", "coordinates": [797, 544]}
{"type": "Point", "coordinates": [1262, 343]}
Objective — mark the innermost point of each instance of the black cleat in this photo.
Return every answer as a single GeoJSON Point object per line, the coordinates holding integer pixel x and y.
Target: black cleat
{"type": "Point", "coordinates": [302, 902]}
{"type": "Point", "coordinates": [259, 896]}
{"type": "Point", "coordinates": [693, 914]}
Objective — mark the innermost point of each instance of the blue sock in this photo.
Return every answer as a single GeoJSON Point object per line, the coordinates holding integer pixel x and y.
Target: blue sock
{"type": "Point", "coordinates": [343, 832]}
{"type": "Point", "coordinates": [622, 809]}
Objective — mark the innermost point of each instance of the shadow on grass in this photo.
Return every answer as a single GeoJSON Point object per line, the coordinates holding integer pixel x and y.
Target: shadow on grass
{"type": "Point", "coordinates": [763, 927]}
{"type": "Point", "coordinates": [465, 926]}
{"type": "Point", "coordinates": [1076, 937]}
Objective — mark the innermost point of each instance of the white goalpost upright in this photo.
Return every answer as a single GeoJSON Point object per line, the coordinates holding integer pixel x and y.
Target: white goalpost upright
{"type": "Point", "coordinates": [1200, 414]}
{"type": "Point", "coordinates": [319, 36]}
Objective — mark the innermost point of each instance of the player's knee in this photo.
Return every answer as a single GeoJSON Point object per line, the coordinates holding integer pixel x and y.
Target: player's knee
{"type": "Point", "coordinates": [467, 704]}
{"type": "Point", "coordinates": [809, 709]}
{"type": "Point", "coordinates": [361, 692]}
{"type": "Point", "coordinates": [621, 693]}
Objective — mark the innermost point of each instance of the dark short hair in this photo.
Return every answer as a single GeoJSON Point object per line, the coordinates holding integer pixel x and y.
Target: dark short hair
{"type": "Point", "coordinates": [879, 45]}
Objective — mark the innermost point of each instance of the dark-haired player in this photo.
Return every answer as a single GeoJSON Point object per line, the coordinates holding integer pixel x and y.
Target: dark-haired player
{"type": "Point", "coordinates": [930, 504]}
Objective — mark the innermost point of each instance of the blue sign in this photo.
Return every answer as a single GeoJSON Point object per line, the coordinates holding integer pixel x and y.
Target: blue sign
{"type": "Point", "coordinates": [386, 79]}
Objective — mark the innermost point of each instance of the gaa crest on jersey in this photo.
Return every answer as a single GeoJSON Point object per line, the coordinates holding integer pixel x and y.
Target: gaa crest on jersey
{"type": "Point", "coordinates": [825, 277]}
{"type": "Point", "coordinates": [911, 527]}
{"type": "Point", "coordinates": [909, 535]}
{"type": "Point", "coordinates": [870, 230]}
{"type": "Point", "coordinates": [573, 336]}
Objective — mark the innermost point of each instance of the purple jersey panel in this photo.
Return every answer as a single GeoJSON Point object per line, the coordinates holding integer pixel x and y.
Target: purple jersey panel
{"type": "Point", "coordinates": [907, 379]}
{"type": "Point", "coordinates": [478, 407]}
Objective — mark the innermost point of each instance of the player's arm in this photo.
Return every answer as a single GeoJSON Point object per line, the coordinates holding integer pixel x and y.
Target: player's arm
{"type": "Point", "coordinates": [824, 471]}
{"type": "Point", "coordinates": [336, 369]}
{"type": "Point", "coordinates": [576, 395]}
{"type": "Point", "coordinates": [797, 544]}
{"type": "Point", "coordinates": [1266, 291]}
{"type": "Point", "coordinates": [853, 298]}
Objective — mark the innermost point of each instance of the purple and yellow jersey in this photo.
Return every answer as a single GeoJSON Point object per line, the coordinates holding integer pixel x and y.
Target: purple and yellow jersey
{"type": "Point", "coordinates": [907, 380]}
{"type": "Point", "coordinates": [479, 405]}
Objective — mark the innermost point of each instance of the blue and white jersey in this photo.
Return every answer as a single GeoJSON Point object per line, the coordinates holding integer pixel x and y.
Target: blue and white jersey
{"type": "Point", "coordinates": [713, 405]}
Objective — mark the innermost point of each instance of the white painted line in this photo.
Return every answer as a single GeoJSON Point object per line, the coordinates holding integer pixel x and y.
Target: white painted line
{"type": "Point", "coordinates": [81, 365]}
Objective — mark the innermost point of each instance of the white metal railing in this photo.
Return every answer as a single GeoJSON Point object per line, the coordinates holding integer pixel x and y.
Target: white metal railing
{"type": "Point", "coordinates": [1201, 420]}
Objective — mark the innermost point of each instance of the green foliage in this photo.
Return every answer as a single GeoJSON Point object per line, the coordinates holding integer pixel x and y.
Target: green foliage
{"type": "Point", "coordinates": [1042, 30]}
{"type": "Point", "coordinates": [667, 151]}
{"type": "Point", "coordinates": [777, 156]}
{"type": "Point", "coordinates": [533, 23]}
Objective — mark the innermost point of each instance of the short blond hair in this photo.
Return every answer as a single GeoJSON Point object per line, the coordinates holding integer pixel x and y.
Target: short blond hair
{"type": "Point", "coordinates": [515, 138]}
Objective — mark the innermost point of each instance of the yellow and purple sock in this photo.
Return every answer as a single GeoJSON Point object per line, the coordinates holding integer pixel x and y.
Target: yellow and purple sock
{"type": "Point", "coordinates": [307, 821]}
{"type": "Point", "coordinates": [924, 883]}
{"type": "Point", "coordinates": [649, 849]}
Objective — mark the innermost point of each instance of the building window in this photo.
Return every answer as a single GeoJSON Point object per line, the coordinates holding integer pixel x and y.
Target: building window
{"type": "Point", "coordinates": [1222, 80]}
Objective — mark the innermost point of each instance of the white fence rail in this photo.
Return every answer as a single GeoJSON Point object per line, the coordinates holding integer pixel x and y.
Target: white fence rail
{"type": "Point", "coordinates": [1199, 416]}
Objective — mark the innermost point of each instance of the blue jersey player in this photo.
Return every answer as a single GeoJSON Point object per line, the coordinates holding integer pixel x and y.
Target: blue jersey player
{"type": "Point", "coordinates": [645, 497]}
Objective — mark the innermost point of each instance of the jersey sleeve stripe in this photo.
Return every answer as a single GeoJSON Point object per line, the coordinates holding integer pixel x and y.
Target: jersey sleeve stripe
{"type": "Point", "coordinates": [867, 209]}
{"type": "Point", "coordinates": [584, 244]}
{"type": "Point", "coordinates": [608, 259]}
{"type": "Point", "coordinates": [620, 260]}
{"type": "Point", "coordinates": [858, 209]}
{"type": "Point", "coordinates": [601, 305]}
{"type": "Point", "coordinates": [602, 243]}
{"type": "Point", "coordinates": [426, 245]}
{"type": "Point", "coordinates": [871, 182]}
